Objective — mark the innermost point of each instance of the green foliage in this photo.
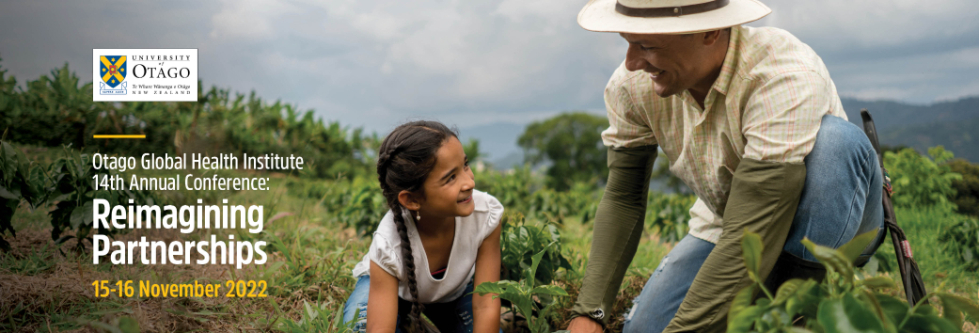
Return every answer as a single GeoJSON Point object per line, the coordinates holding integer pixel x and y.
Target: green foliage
{"type": "Point", "coordinates": [316, 318]}
{"type": "Point", "coordinates": [962, 240]}
{"type": "Point", "coordinates": [521, 241]}
{"type": "Point", "coordinates": [54, 110]}
{"type": "Point", "coordinates": [967, 188]}
{"type": "Point", "coordinates": [358, 204]}
{"type": "Point", "coordinates": [842, 302]}
{"type": "Point", "coordinates": [572, 145]}
{"type": "Point", "coordinates": [525, 295]}
{"type": "Point", "coordinates": [920, 181]}
{"type": "Point", "coordinates": [68, 183]}
{"type": "Point", "coordinates": [520, 190]}
{"type": "Point", "coordinates": [472, 150]}
{"type": "Point", "coordinates": [57, 109]}
{"type": "Point", "coordinates": [668, 214]}
{"type": "Point", "coordinates": [73, 180]}
{"type": "Point", "coordinates": [19, 180]}
{"type": "Point", "coordinates": [511, 188]}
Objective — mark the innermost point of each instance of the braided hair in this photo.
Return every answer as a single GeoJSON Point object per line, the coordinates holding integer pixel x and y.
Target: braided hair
{"type": "Point", "coordinates": [404, 161]}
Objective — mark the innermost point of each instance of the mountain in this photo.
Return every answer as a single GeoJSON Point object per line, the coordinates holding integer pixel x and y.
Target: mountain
{"type": "Point", "coordinates": [953, 124]}
{"type": "Point", "coordinates": [893, 115]}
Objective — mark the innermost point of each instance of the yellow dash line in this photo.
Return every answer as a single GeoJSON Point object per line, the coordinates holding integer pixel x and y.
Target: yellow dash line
{"type": "Point", "coordinates": [119, 136]}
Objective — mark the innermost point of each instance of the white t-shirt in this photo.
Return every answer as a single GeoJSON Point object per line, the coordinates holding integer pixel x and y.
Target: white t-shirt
{"type": "Point", "coordinates": [470, 232]}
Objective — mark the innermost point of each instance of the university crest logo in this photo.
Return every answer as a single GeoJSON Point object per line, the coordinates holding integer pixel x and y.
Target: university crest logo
{"type": "Point", "coordinates": [113, 71]}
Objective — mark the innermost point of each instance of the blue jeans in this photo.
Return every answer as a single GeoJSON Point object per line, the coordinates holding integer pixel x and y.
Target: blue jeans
{"type": "Point", "coordinates": [840, 199]}
{"type": "Point", "coordinates": [454, 316]}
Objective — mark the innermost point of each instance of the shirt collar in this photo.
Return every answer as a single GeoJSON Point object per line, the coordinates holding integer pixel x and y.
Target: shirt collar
{"type": "Point", "coordinates": [723, 82]}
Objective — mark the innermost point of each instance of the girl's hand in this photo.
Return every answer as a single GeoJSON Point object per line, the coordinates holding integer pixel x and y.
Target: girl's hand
{"type": "Point", "coordinates": [486, 309]}
{"type": "Point", "coordinates": [382, 302]}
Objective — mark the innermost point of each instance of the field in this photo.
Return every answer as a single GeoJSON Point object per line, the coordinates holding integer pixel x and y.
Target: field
{"type": "Point", "coordinates": [49, 288]}
{"type": "Point", "coordinates": [318, 222]}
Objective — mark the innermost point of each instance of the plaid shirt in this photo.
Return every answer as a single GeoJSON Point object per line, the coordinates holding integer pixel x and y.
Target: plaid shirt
{"type": "Point", "coordinates": [766, 105]}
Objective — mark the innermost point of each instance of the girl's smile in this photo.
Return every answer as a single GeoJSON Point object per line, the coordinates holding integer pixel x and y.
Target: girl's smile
{"type": "Point", "coordinates": [449, 187]}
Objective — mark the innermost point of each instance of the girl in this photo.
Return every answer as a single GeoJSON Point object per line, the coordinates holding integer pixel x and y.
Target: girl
{"type": "Point", "coordinates": [439, 239]}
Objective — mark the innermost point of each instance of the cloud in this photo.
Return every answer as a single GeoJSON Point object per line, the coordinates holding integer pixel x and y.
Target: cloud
{"type": "Point", "coordinates": [375, 63]}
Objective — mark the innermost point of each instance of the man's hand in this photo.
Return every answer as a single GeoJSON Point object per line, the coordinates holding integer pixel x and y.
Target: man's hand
{"type": "Point", "coordinates": [582, 324]}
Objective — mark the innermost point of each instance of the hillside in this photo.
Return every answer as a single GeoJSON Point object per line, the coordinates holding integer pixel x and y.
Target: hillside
{"type": "Point", "coordinates": [952, 124]}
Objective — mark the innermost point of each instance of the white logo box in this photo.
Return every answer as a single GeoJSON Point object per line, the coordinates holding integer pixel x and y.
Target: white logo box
{"type": "Point", "coordinates": [125, 75]}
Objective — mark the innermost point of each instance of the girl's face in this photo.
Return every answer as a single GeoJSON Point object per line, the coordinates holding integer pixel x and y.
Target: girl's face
{"type": "Point", "coordinates": [449, 186]}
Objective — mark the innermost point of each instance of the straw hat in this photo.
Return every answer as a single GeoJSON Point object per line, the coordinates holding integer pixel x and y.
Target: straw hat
{"type": "Point", "coordinates": [668, 16]}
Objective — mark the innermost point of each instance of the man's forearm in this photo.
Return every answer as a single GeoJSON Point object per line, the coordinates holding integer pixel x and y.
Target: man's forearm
{"type": "Point", "coordinates": [763, 200]}
{"type": "Point", "coordinates": [618, 227]}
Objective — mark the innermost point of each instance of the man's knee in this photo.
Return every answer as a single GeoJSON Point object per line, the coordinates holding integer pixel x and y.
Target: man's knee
{"type": "Point", "coordinates": [840, 143]}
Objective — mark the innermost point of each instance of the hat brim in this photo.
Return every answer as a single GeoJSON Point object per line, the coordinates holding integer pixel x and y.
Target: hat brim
{"type": "Point", "coordinates": [600, 15]}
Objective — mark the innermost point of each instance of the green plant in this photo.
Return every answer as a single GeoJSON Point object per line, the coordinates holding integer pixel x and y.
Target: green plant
{"type": "Point", "coordinates": [962, 240]}
{"type": "Point", "coordinates": [842, 302]}
{"type": "Point", "coordinates": [74, 188]}
{"type": "Point", "coordinates": [316, 318]}
{"type": "Point", "coordinates": [919, 181]}
{"type": "Point", "coordinates": [520, 242]}
{"type": "Point", "coordinates": [512, 188]}
{"type": "Point", "coordinates": [668, 214]}
{"type": "Point", "coordinates": [525, 295]}
{"type": "Point", "coordinates": [57, 109]}
{"type": "Point", "coordinates": [20, 179]}
{"type": "Point", "coordinates": [357, 204]}
{"type": "Point", "coordinates": [967, 188]}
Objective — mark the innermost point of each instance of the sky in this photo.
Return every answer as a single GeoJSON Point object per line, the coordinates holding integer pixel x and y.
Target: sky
{"type": "Point", "coordinates": [377, 63]}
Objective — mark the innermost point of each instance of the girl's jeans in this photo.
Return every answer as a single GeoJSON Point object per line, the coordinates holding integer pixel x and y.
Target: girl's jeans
{"type": "Point", "coordinates": [454, 316]}
{"type": "Point", "coordinates": [840, 199]}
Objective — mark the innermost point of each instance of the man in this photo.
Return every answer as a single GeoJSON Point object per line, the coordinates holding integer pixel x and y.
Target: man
{"type": "Point", "coordinates": [751, 121]}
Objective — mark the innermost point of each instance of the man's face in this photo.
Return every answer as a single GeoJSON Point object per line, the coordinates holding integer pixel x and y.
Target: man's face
{"type": "Point", "coordinates": [674, 62]}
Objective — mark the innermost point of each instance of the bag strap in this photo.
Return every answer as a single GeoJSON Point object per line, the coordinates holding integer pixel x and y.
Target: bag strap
{"type": "Point", "coordinates": [914, 285]}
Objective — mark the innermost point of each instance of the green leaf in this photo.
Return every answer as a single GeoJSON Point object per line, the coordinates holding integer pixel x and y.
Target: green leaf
{"type": "Point", "coordinates": [868, 297]}
{"type": "Point", "coordinates": [806, 300]}
{"type": "Point", "coordinates": [787, 289]}
{"type": "Point", "coordinates": [535, 261]}
{"type": "Point", "coordinates": [953, 306]}
{"type": "Point", "coordinates": [743, 321]}
{"type": "Point", "coordinates": [489, 288]}
{"type": "Point", "coordinates": [550, 290]}
{"type": "Point", "coordinates": [832, 259]}
{"type": "Point", "coordinates": [751, 250]}
{"type": "Point", "coordinates": [742, 300]}
{"type": "Point", "coordinates": [6, 194]}
{"type": "Point", "coordinates": [854, 248]}
{"type": "Point", "coordinates": [879, 282]}
{"type": "Point", "coordinates": [847, 315]}
{"type": "Point", "coordinates": [929, 323]}
{"type": "Point", "coordinates": [81, 215]}
{"type": "Point", "coordinates": [895, 309]}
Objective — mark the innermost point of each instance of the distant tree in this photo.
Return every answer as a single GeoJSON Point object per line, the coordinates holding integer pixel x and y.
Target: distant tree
{"type": "Point", "coordinates": [967, 188]}
{"type": "Point", "coordinates": [571, 145]}
{"type": "Point", "coordinates": [472, 150]}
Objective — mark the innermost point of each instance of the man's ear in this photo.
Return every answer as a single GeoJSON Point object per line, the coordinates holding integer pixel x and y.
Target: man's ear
{"type": "Point", "coordinates": [409, 200]}
{"type": "Point", "coordinates": [711, 37]}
